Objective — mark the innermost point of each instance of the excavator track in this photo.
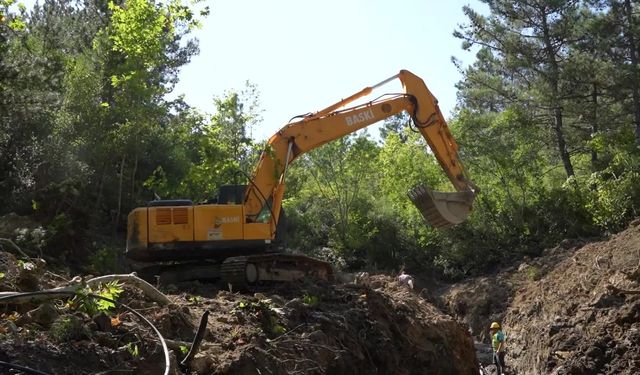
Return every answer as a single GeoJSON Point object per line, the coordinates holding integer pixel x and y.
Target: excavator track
{"type": "Point", "coordinates": [233, 271]}
{"type": "Point", "coordinates": [244, 271]}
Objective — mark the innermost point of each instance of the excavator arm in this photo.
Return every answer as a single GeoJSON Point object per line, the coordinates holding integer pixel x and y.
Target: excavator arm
{"type": "Point", "coordinates": [266, 191]}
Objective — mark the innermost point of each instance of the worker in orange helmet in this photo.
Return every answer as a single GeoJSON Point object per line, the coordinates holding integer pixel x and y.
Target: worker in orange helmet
{"type": "Point", "coordinates": [498, 345]}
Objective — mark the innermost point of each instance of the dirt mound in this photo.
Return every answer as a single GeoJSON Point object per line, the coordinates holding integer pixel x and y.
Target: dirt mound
{"type": "Point", "coordinates": [583, 317]}
{"type": "Point", "coordinates": [381, 327]}
{"type": "Point", "coordinates": [480, 301]}
{"type": "Point", "coordinates": [574, 310]}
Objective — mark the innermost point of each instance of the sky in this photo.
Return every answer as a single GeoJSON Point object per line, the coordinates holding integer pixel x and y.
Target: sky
{"type": "Point", "coordinates": [306, 55]}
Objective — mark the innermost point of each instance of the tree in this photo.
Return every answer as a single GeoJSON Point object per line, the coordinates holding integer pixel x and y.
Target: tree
{"type": "Point", "coordinates": [85, 120]}
{"type": "Point", "coordinates": [341, 171]}
{"type": "Point", "coordinates": [219, 147]}
{"type": "Point", "coordinates": [531, 40]}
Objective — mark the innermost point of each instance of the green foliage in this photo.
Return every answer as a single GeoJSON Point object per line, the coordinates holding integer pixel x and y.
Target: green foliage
{"type": "Point", "coordinates": [533, 272]}
{"type": "Point", "coordinates": [223, 149]}
{"type": "Point", "coordinates": [103, 258]}
{"type": "Point", "coordinates": [133, 349]}
{"type": "Point", "coordinates": [311, 300]}
{"type": "Point", "coordinates": [61, 329]}
{"type": "Point", "coordinates": [86, 85]}
{"type": "Point", "coordinates": [613, 197]}
{"type": "Point", "coordinates": [111, 290]}
{"type": "Point", "coordinates": [91, 306]}
{"type": "Point", "coordinates": [263, 311]}
{"type": "Point", "coordinates": [9, 19]}
{"type": "Point", "coordinates": [68, 328]}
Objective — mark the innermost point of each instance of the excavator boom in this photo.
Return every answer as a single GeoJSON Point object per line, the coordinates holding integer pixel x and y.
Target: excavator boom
{"type": "Point", "coordinates": [439, 209]}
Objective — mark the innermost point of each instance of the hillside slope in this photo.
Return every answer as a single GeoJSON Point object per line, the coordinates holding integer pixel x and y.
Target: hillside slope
{"type": "Point", "coordinates": [583, 317]}
{"type": "Point", "coordinates": [574, 310]}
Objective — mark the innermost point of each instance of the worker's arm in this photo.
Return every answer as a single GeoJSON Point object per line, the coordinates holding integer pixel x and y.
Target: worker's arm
{"type": "Point", "coordinates": [501, 343]}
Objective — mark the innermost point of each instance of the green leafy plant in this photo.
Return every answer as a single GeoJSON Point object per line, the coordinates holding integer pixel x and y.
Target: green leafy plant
{"type": "Point", "coordinates": [91, 306]}
{"type": "Point", "coordinates": [133, 349]}
{"type": "Point", "coordinates": [310, 300]}
{"type": "Point", "coordinates": [533, 272]}
{"type": "Point", "coordinates": [264, 311]}
{"type": "Point", "coordinates": [194, 299]}
{"type": "Point", "coordinates": [67, 328]}
{"type": "Point", "coordinates": [103, 259]}
{"type": "Point", "coordinates": [111, 290]}
{"type": "Point", "coordinates": [278, 329]}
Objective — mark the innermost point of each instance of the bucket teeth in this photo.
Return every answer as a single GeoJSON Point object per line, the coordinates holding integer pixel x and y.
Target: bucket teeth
{"type": "Point", "coordinates": [442, 210]}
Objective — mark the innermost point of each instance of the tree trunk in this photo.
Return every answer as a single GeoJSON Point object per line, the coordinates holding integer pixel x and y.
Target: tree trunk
{"type": "Point", "coordinates": [100, 187]}
{"type": "Point", "coordinates": [132, 197]}
{"type": "Point", "coordinates": [594, 125]}
{"type": "Point", "coordinates": [633, 55]}
{"type": "Point", "coordinates": [562, 144]}
{"type": "Point", "coordinates": [119, 209]}
{"type": "Point", "coordinates": [553, 81]}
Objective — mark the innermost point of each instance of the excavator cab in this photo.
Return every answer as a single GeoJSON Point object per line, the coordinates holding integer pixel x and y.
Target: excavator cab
{"type": "Point", "coordinates": [439, 209]}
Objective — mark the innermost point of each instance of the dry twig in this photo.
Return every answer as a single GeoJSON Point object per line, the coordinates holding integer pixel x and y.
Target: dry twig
{"type": "Point", "coordinates": [13, 244]}
{"type": "Point", "coordinates": [614, 289]}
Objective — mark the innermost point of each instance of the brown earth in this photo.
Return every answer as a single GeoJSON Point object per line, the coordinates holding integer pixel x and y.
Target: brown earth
{"type": "Point", "coordinates": [575, 310]}
{"type": "Point", "coordinates": [380, 327]}
{"type": "Point", "coordinates": [583, 317]}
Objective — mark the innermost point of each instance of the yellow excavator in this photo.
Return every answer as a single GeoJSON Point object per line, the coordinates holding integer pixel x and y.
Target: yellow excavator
{"type": "Point", "coordinates": [237, 238]}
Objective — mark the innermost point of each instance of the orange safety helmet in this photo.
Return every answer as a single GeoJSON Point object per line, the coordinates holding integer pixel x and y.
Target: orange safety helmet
{"type": "Point", "coordinates": [495, 325]}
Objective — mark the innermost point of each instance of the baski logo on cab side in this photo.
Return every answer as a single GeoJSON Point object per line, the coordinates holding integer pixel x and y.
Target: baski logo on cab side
{"type": "Point", "coordinates": [226, 220]}
{"type": "Point", "coordinates": [360, 117]}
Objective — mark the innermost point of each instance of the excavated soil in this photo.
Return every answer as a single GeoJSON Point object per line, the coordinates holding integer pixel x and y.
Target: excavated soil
{"type": "Point", "coordinates": [574, 310]}
{"type": "Point", "coordinates": [583, 317]}
{"type": "Point", "coordinates": [376, 327]}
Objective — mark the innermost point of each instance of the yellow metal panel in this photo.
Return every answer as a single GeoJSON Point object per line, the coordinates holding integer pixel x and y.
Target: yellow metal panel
{"type": "Point", "coordinates": [217, 222]}
{"type": "Point", "coordinates": [170, 224]}
{"type": "Point", "coordinates": [137, 229]}
{"type": "Point", "coordinates": [258, 231]}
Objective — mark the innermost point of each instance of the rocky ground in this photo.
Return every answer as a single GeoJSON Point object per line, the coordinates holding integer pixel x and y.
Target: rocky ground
{"type": "Point", "coordinates": [374, 327]}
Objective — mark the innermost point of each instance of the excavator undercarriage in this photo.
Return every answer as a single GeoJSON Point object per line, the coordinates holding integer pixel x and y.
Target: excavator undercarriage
{"type": "Point", "coordinates": [239, 272]}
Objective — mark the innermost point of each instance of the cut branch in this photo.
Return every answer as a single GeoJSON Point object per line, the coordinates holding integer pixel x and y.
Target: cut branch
{"type": "Point", "coordinates": [148, 289]}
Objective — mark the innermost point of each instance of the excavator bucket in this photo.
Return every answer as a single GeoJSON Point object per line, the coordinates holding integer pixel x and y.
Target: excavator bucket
{"type": "Point", "coordinates": [442, 210]}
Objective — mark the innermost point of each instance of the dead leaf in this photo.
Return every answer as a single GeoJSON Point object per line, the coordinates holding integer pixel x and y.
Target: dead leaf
{"type": "Point", "coordinates": [115, 321]}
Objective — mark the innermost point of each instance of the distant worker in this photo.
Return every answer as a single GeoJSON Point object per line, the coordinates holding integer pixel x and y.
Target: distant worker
{"type": "Point", "coordinates": [405, 279]}
{"type": "Point", "coordinates": [498, 345]}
